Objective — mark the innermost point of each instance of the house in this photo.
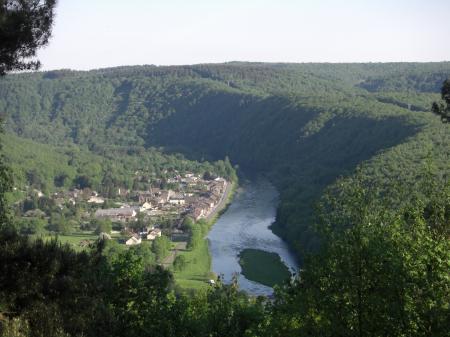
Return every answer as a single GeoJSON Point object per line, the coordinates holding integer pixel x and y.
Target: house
{"type": "Point", "coordinates": [166, 195]}
{"type": "Point", "coordinates": [155, 233]}
{"type": "Point", "coordinates": [116, 214]}
{"type": "Point", "coordinates": [145, 230]}
{"type": "Point", "coordinates": [209, 202]}
{"type": "Point", "coordinates": [177, 200]}
{"type": "Point", "coordinates": [145, 207]}
{"type": "Point", "coordinates": [217, 186]}
{"type": "Point", "coordinates": [133, 241]}
{"type": "Point", "coordinates": [198, 211]}
{"type": "Point", "coordinates": [96, 200]}
{"type": "Point", "coordinates": [145, 197]}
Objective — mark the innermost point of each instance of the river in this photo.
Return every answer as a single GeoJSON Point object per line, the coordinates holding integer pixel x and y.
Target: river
{"type": "Point", "coordinates": [245, 225]}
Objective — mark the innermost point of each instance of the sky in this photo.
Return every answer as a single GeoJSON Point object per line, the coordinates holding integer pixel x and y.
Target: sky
{"type": "Point", "coordinates": [91, 34]}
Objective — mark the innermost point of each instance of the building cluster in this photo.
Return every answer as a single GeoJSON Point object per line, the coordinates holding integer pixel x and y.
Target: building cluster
{"type": "Point", "coordinates": [196, 198]}
{"type": "Point", "coordinates": [148, 234]}
{"type": "Point", "coordinates": [189, 195]}
{"type": "Point", "coordinates": [74, 196]}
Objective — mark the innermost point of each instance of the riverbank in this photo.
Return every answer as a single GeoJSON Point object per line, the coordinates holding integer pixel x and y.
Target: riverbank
{"type": "Point", "coordinates": [197, 269]}
{"type": "Point", "coordinates": [245, 225]}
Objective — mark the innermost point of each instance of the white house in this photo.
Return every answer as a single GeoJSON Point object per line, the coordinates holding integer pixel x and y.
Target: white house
{"type": "Point", "coordinates": [133, 241]}
{"type": "Point", "coordinates": [145, 207]}
{"type": "Point", "coordinates": [155, 233]}
{"type": "Point", "coordinates": [96, 200]}
{"type": "Point", "coordinates": [177, 200]}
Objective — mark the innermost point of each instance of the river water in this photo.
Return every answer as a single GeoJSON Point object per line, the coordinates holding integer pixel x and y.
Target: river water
{"type": "Point", "coordinates": [245, 225]}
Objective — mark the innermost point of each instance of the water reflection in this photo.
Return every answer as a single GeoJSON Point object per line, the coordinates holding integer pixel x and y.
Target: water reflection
{"type": "Point", "coordinates": [245, 225]}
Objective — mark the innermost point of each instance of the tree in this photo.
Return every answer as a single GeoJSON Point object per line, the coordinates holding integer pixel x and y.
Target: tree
{"type": "Point", "coordinates": [378, 273]}
{"type": "Point", "coordinates": [179, 263]}
{"type": "Point", "coordinates": [102, 226]}
{"type": "Point", "coordinates": [59, 224]}
{"type": "Point", "coordinates": [442, 109]}
{"type": "Point", "coordinates": [195, 237]}
{"type": "Point", "coordinates": [144, 250]}
{"type": "Point", "coordinates": [33, 226]}
{"type": "Point", "coordinates": [25, 25]}
{"type": "Point", "coordinates": [5, 186]}
{"type": "Point", "coordinates": [161, 247]}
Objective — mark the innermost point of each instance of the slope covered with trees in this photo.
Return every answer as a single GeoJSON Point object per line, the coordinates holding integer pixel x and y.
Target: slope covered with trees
{"type": "Point", "coordinates": [375, 168]}
{"type": "Point", "coordinates": [302, 125]}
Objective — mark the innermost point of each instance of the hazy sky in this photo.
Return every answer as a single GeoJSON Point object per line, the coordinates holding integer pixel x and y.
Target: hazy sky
{"type": "Point", "coordinates": [102, 33]}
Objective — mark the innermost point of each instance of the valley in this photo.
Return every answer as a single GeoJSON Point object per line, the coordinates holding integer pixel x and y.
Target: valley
{"type": "Point", "coordinates": [308, 128]}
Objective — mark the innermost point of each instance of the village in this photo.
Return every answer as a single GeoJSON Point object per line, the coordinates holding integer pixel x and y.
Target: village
{"type": "Point", "coordinates": [146, 215]}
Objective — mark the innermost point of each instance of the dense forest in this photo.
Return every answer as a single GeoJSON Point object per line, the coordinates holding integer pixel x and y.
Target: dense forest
{"type": "Point", "coordinates": [302, 125]}
{"type": "Point", "coordinates": [362, 167]}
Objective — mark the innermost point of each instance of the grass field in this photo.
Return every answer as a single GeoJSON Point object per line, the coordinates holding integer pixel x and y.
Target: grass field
{"type": "Point", "coordinates": [74, 239]}
{"type": "Point", "coordinates": [263, 267]}
{"type": "Point", "coordinates": [197, 271]}
{"type": "Point", "coordinates": [198, 261]}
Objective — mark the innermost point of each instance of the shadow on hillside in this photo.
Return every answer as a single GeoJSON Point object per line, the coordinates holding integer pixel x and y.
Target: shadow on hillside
{"type": "Point", "coordinates": [122, 102]}
{"type": "Point", "coordinates": [265, 136]}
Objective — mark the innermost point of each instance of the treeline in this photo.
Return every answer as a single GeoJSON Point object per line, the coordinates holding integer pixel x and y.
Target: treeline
{"type": "Point", "coordinates": [49, 168]}
{"type": "Point", "coordinates": [303, 125]}
{"type": "Point", "coordinates": [379, 273]}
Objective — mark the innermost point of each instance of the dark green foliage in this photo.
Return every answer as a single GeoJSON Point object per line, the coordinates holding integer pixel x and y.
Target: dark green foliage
{"type": "Point", "coordinates": [443, 109]}
{"type": "Point", "coordinates": [179, 263]}
{"type": "Point", "coordinates": [5, 186]}
{"type": "Point", "coordinates": [34, 226]}
{"type": "Point", "coordinates": [195, 237]}
{"type": "Point", "coordinates": [380, 264]}
{"type": "Point", "coordinates": [303, 125]}
{"type": "Point", "coordinates": [44, 283]}
{"type": "Point", "coordinates": [102, 226]}
{"type": "Point", "coordinates": [49, 168]}
{"type": "Point", "coordinates": [25, 25]}
{"type": "Point", "coordinates": [378, 273]}
{"type": "Point", "coordinates": [49, 290]}
{"type": "Point", "coordinates": [161, 247]}
{"type": "Point", "coordinates": [263, 267]}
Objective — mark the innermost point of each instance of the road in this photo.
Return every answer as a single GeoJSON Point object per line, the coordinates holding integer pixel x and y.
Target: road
{"type": "Point", "coordinates": [222, 203]}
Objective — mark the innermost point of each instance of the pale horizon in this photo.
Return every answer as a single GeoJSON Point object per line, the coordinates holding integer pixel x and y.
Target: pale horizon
{"type": "Point", "coordinates": [103, 34]}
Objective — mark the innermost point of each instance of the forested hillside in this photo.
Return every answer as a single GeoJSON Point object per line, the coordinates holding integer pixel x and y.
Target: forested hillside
{"type": "Point", "coordinates": [303, 125]}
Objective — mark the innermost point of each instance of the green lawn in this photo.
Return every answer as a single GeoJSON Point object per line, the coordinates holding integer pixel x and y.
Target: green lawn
{"type": "Point", "coordinates": [197, 271]}
{"type": "Point", "coordinates": [263, 267]}
{"type": "Point", "coordinates": [74, 239]}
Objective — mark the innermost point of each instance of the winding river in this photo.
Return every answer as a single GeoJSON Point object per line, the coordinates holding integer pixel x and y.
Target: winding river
{"type": "Point", "coordinates": [245, 225]}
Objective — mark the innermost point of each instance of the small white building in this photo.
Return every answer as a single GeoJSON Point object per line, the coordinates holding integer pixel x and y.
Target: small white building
{"type": "Point", "coordinates": [155, 233]}
{"type": "Point", "coordinates": [116, 214]}
{"type": "Point", "coordinates": [177, 201]}
{"type": "Point", "coordinates": [96, 200]}
{"type": "Point", "coordinates": [145, 207]}
{"type": "Point", "coordinates": [133, 241]}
